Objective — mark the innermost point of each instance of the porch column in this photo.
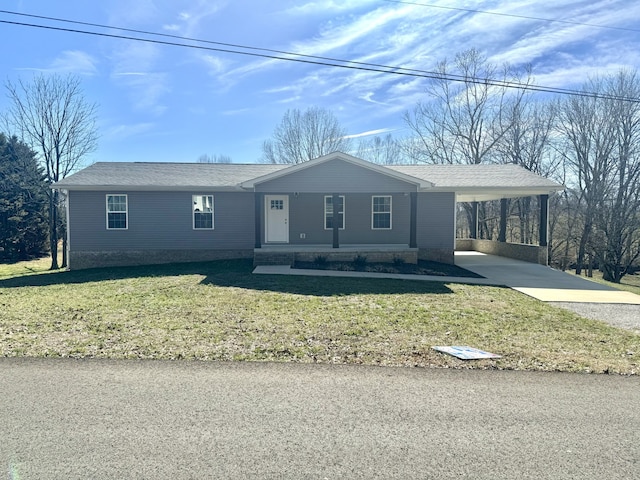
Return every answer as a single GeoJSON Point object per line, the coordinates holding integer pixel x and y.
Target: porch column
{"type": "Point", "coordinates": [474, 221]}
{"type": "Point", "coordinates": [258, 198]}
{"type": "Point", "coordinates": [336, 227]}
{"type": "Point", "coordinates": [502, 236]}
{"type": "Point", "coordinates": [414, 220]}
{"type": "Point", "coordinates": [544, 220]}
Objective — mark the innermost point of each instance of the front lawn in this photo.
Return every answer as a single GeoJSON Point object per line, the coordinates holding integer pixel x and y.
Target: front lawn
{"type": "Point", "coordinates": [220, 311]}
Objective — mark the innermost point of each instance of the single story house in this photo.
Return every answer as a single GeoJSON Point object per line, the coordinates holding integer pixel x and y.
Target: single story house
{"type": "Point", "coordinates": [336, 205]}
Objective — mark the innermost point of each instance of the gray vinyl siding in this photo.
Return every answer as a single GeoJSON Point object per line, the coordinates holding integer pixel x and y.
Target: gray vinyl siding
{"type": "Point", "coordinates": [435, 227]}
{"type": "Point", "coordinates": [335, 176]}
{"type": "Point", "coordinates": [160, 221]}
{"type": "Point", "coordinates": [306, 214]}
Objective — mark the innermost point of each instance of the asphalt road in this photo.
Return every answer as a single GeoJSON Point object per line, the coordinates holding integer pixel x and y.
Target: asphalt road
{"type": "Point", "coordinates": [79, 419]}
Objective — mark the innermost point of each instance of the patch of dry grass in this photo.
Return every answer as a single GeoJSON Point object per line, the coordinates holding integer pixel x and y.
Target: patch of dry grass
{"type": "Point", "coordinates": [220, 311]}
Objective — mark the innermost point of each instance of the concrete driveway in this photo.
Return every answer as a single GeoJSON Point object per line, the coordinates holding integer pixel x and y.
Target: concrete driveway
{"type": "Point", "coordinates": [541, 282]}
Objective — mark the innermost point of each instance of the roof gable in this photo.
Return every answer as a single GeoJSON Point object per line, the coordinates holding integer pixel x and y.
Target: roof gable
{"type": "Point", "coordinates": [397, 175]}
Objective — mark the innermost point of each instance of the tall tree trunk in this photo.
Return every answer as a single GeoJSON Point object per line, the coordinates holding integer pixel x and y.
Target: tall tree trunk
{"type": "Point", "coordinates": [582, 248]}
{"type": "Point", "coordinates": [64, 247]}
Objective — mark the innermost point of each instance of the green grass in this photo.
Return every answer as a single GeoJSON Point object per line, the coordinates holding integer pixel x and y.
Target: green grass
{"type": "Point", "coordinates": [629, 283]}
{"type": "Point", "coordinates": [19, 269]}
{"type": "Point", "coordinates": [220, 311]}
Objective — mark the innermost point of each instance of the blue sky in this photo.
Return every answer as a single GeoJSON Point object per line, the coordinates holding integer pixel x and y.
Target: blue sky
{"type": "Point", "coordinates": [166, 103]}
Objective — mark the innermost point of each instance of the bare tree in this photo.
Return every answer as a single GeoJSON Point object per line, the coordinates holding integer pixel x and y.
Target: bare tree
{"type": "Point", "coordinates": [303, 136]}
{"type": "Point", "coordinates": [585, 124]}
{"type": "Point", "coordinates": [466, 112]}
{"type": "Point", "coordinates": [51, 115]}
{"type": "Point", "coordinates": [382, 150]}
{"type": "Point", "coordinates": [205, 158]}
{"type": "Point", "coordinates": [603, 137]}
{"type": "Point", "coordinates": [619, 218]}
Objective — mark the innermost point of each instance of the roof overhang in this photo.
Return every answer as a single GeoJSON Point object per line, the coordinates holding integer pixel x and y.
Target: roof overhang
{"type": "Point", "coordinates": [147, 188]}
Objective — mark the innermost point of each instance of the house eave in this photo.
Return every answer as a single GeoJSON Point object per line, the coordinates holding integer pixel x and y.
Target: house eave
{"type": "Point", "coordinates": [149, 188]}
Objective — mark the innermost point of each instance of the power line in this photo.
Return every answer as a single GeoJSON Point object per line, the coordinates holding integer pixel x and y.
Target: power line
{"type": "Point", "coordinates": [308, 59]}
{"type": "Point", "coordinates": [512, 15]}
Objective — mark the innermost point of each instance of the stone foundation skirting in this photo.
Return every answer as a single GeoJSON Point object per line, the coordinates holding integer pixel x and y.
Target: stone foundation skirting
{"type": "Point", "coordinates": [83, 260]}
{"type": "Point", "coordinates": [437, 255]}
{"type": "Point", "coordinates": [518, 251]}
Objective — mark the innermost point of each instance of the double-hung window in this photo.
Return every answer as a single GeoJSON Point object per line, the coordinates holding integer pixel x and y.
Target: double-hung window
{"type": "Point", "coordinates": [331, 213]}
{"type": "Point", "coordinates": [381, 212]}
{"type": "Point", "coordinates": [202, 212]}
{"type": "Point", "coordinates": [117, 212]}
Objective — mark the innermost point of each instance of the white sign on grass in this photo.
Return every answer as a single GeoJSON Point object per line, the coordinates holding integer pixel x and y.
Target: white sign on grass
{"type": "Point", "coordinates": [466, 353]}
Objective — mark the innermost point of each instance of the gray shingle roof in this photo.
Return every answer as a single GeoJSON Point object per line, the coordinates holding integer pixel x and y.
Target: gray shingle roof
{"type": "Point", "coordinates": [475, 175]}
{"type": "Point", "coordinates": [163, 175]}
{"type": "Point", "coordinates": [470, 182]}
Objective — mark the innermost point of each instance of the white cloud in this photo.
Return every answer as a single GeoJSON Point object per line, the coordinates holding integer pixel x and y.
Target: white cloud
{"type": "Point", "coordinates": [74, 61]}
{"type": "Point", "coordinates": [326, 6]}
{"type": "Point", "coordinates": [135, 68]}
{"type": "Point", "coordinates": [171, 28]}
{"type": "Point", "coordinates": [191, 19]}
{"type": "Point", "coordinates": [133, 13]}
{"type": "Point", "coordinates": [121, 132]}
{"type": "Point", "coordinates": [369, 133]}
{"type": "Point", "coordinates": [238, 111]}
{"type": "Point", "coordinates": [214, 64]}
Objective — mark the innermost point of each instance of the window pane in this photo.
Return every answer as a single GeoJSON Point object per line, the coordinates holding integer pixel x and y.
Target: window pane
{"type": "Point", "coordinates": [117, 203]}
{"type": "Point", "coordinates": [116, 211]}
{"type": "Point", "coordinates": [203, 203]}
{"type": "Point", "coordinates": [381, 220]}
{"type": "Point", "coordinates": [203, 220]}
{"type": "Point", "coordinates": [381, 212]}
{"type": "Point", "coordinates": [117, 220]}
{"type": "Point", "coordinates": [382, 204]}
{"type": "Point", "coordinates": [202, 211]}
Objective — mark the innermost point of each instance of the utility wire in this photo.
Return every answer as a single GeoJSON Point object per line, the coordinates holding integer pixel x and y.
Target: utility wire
{"type": "Point", "coordinates": [450, 76]}
{"type": "Point", "coordinates": [310, 59]}
{"type": "Point", "coordinates": [512, 15]}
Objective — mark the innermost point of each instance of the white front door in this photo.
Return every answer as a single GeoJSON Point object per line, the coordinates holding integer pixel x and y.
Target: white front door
{"type": "Point", "coordinates": [277, 218]}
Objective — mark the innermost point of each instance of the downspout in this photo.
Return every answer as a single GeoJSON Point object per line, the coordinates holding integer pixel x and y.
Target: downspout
{"type": "Point", "coordinates": [65, 195]}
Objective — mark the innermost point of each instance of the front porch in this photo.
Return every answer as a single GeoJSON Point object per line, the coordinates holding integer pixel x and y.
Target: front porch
{"type": "Point", "coordinates": [289, 254]}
